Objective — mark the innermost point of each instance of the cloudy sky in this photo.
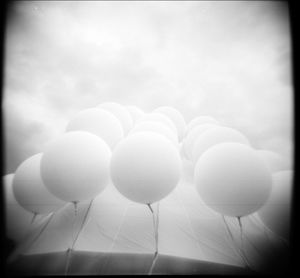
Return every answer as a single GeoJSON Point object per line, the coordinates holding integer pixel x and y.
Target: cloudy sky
{"type": "Point", "coordinates": [229, 60]}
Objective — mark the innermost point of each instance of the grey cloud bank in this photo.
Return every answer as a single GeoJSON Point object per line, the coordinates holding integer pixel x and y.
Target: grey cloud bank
{"type": "Point", "coordinates": [229, 60]}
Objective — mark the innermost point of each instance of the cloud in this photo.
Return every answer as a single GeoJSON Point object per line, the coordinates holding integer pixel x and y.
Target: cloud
{"type": "Point", "coordinates": [230, 60]}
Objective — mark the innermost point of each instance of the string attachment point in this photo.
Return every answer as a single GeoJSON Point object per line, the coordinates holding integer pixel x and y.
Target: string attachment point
{"type": "Point", "coordinates": [33, 217]}
{"type": "Point", "coordinates": [75, 207]}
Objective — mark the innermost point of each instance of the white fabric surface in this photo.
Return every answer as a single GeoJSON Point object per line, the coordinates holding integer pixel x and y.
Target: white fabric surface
{"type": "Point", "coordinates": [187, 228]}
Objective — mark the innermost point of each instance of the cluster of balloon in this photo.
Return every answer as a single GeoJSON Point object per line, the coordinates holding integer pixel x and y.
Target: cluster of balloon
{"type": "Point", "coordinates": [176, 117]}
{"type": "Point", "coordinates": [156, 127]}
{"type": "Point", "coordinates": [135, 112]}
{"type": "Point", "coordinates": [215, 136]}
{"type": "Point", "coordinates": [199, 121]}
{"type": "Point", "coordinates": [75, 167]}
{"type": "Point", "coordinates": [158, 117]}
{"type": "Point", "coordinates": [143, 154]}
{"type": "Point", "coordinates": [99, 122]}
{"type": "Point", "coordinates": [231, 177]}
{"type": "Point", "coordinates": [120, 112]}
{"type": "Point", "coordinates": [193, 134]}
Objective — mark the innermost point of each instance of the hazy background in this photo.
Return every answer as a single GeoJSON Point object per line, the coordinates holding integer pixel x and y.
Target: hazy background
{"type": "Point", "coordinates": [229, 60]}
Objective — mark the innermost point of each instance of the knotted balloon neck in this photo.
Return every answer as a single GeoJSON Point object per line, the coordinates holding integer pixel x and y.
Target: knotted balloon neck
{"type": "Point", "coordinates": [33, 217]}
{"type": "Point", "coordinates": [241, 231]}
{"type": "Point", "coordinates": [149, 205]}
{"type": "Point", "coordinates": [75, 207]}
{"type": "Point", "coordinates": [70, 249]}
{"type": "Point", "coordinates": [239, 251]}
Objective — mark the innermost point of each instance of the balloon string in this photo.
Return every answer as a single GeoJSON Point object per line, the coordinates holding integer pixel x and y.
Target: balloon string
{"type": "Point", "coordinates": [83, 222]}
{"type": "Point", "coordinates": [236, 247]}
{"type": "Point", "coordinates": [241, 233]}
{"type": "Point", "coordinates": [26, 247]}
{"type": "Point", "coordinates": [155, 226]}
{"type": "Point", "coordinates": [153, 263]}
{"type": "Point", "coordinates": [70, 250]}
{"type": "Point", "coordinates": [157, 223]}
{"type": "Point", "coordinates": [33, 218]}
{"type": "Point", "coordinates": [242, 237]}
{"type": "Point", "coordinates": [75, 207]}
{"type": "Point", "coordinates": [68, 261]}
{"type": "Point", "coordinates": [150, 208]}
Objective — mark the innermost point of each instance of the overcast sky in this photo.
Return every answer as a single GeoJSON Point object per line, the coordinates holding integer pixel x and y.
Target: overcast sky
{"type": "Point", "coordinates": [229, 60]}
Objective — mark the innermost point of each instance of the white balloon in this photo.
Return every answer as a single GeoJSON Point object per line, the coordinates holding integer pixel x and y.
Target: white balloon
{"type": "Point", "coordinates": [99, 122]}
{"type": "Point", "coordinates": [232, 180]}
{"type": "Point", "coordinates": [145, 167]}
{"type": "Point", "coordinates": [215, 136]}
{"type": "Point", "coordinates": [158, 128]}
{"type": "Point", "coordinates": [176, 117]}
{"type": "Point", "coordinates": [17, 219]}
{"type": "Point", "coordinates": [29, 189]}
{"type": "Point", "coordinates": [76, 166]}
{"type": "Point", "coordinates": [193, 134]}
{"type": "Point", "coordinates": [120, 112]}
{"type": "Point", "coordinates": [135, 112]}
{"type": "Point", "coordinates": [201, 120]}
{"type": "Point", "coordinates": [274, 161]}
{"type": "Point", "coordinates": [276, 212]}
{"type": "Point", "coordinates": [158, 117]}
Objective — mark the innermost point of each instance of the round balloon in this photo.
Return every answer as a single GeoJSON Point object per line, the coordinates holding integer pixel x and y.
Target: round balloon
{"type": "Point", "coordinates": [274, 161]}
{"type": "Point", "coordinates": [215, 136]}
{"type": "Point", "coordinates": [276, 212]}
{"type": "Point", "coordinates": [156, 127]}
{"type": "Point", "coordinates": [29, 189]}
{"type": "Point", "coordinates": [176, 117]}
{"type": "Point", "coordinates": [135, 112]}
{"type": "Point", "coordinates": [158, 117]}
{"type": "Point", "coordinates": [232, 180]}
{"type": "Point", "coordinates": [201, 120]}
{"type": "Point", "coordinates": [120, 112]}
{"type": "Point", "coordinates": [76, 166]}
{"type": "Point", "coordinates": [17, 219]}
{"type": "Point", "coordinates": [99, 122]}
{"type": "Point", "coordinates": [145, 167]}
{"type": "Point", "coordinates": [193, 134]}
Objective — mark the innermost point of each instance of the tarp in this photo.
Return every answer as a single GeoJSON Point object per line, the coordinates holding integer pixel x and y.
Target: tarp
{"type": "Point", "coordinates": [97, 263]}
{"type": "Point", "coordinates": [188, 229]}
